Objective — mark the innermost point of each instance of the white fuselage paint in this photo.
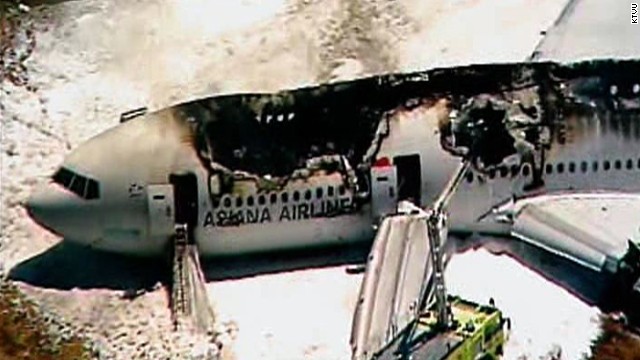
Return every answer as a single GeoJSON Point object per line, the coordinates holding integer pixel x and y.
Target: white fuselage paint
{"type": "Point", "coordinates": [145, 150]}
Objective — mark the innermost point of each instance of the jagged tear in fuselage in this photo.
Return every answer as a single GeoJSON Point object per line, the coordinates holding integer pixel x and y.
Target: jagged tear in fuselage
{"type": "Point", "coordinates": [320, 165]}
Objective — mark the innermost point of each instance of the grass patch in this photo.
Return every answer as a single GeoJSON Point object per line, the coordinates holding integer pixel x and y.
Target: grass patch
{"type": "Point", "coordinates": [615, 342]}
{"type": "Point", "coordinates": [26, 334]}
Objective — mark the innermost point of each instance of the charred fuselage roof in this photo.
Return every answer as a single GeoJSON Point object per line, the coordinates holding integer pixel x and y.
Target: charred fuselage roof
{"type": "Point", "coordinates": [273, 133]}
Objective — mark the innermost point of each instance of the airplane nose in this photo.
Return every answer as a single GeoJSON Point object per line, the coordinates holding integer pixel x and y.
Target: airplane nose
{"type": "Point", "coordinates": [53, 208]}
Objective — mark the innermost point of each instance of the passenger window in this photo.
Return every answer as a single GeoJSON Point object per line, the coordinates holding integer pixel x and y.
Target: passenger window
{"type": "Point", "coordinates": [250, 201]}
{"type": "Point", "coordinates": [515, 169]}
{"type": "Point", "coordinates": [330, 191]}
{"type": "Point", "coordinates": [307, 195]}
{"type": "Point", "coordinates": [629, 164]}
{"type": "Point", "coordinates": [594, 166]}
{"type": "Point", "coordinates": [273, 198]}
{"type": "Point", "coordinates": [341, 190]}
{"type": "Point", "coordinates": [584, 166]}
{"type": "Point", "coordinates": [239, 201]}
{"type": "Point", "coordinates": [548, 168]}
{"type": "Point", "coordinates": [560, 168]}
{"type": "Point", "coordinates": [296, 196]}
{"type": "Point", "coordinates": [261, 200]}
{"type": "Point", "coordinates": [638, 163]}
{"type": "Point", "coordinates": [216, 202]}
{"type": "Point", "coordinates": [504, 171]}
{"type": "Point", "coordinates": [319, 193]}
{"type": "Point", "coordinates": [561, 139]}
{"type": "Point", "coordinates": [492, 173]}
{"type": "Point", "coordinates": [284, 197]}
{"type": "Point", "coordinates": [572, 167]}
{"type": "Point", "coordinates": [617, 164]}
{"type": "Point", "coordinates": [526, 170]}
{"type": "Point", "coordinates": [607, 165]}
{"type": "Point", "coordinates": [226, 202]}
{"type": "Point", "coordinates": [469, 177]}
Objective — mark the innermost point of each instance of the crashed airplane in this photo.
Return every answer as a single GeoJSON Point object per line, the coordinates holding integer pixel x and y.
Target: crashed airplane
{"type": "Point", "coordinates": [322, 165]}
{"type": "Point", "coordinates": [229, 165]}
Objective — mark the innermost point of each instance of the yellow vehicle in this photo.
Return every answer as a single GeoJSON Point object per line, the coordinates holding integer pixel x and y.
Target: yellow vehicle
{"type": "Point", "coordinates": [474, 332]}
{"type": "Point", "coordinates": [405, 314]}
{"type": "Point", "coordinates": [477, 332]}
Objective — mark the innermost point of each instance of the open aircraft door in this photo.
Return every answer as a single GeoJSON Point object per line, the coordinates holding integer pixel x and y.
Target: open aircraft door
{"type": "Point", "coordinates": [161, 211]}
{"type": "Point", "coordinates": [384, 196]}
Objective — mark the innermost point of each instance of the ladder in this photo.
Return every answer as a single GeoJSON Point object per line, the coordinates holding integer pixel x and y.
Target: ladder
{"type": "Point", "coordinates": [190, 305]}
{"type": "Point", "coordinates": [180, 307]}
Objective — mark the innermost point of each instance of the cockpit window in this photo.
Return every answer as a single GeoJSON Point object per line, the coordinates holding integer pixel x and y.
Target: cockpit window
{"type": "Point", "coordinates": [92, 190]}
{"type": "Point", "coordinates": [78, 184]}
{"type": "Point", "coordinates": [63, 177]}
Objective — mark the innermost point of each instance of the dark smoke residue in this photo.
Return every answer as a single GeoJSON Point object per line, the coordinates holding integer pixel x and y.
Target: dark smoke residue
{"type": "Point", "coordinates": [503, 109]}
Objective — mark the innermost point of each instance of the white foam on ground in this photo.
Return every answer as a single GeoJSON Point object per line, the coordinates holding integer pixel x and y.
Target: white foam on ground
{"type": "Point", "coordinates": [297, 315]}
{"type": "Point", "coordinates": [543, 314]}
{"type": "Point", "coordinates": [100, 58]}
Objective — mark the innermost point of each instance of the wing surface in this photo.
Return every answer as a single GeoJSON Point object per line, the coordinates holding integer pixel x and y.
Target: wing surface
{"type": "Point", "coordinates": [593, 230]}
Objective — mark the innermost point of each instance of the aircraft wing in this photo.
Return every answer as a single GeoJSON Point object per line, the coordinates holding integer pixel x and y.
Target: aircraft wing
{"type": "Point", "coordinates": [596, 231]}
{"type": "Point", "coordinates": [585, 242]}
{"type": "Point", "coordinates": [592, 29]}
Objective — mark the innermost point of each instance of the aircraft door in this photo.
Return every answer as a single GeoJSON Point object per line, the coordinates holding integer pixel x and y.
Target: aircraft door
{"type": "Point", "coordinates": [409, 178]}
{"type": "Point", "coordinates": [161, 211]}
{"type": "Point", "coordinates": [383, 190]}
{"type": "Point", "coordinates": [185, 189]}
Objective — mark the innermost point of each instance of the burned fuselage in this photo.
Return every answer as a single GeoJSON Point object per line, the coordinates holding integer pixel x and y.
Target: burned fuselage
{"type": "Point", "coordinates": [311, 153]}
{"type": "Point", "coordinates": [320, 165]}
{"type": "Point", "coordinates": [494, 111]}
{"type": "Point", "coordinates": [274, 139]}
